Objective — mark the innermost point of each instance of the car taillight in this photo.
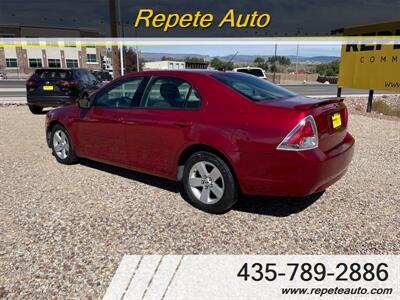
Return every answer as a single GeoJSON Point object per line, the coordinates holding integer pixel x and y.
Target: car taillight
{"type": "Point", "coordinates": [304, 136]}
{"type": "Point", "coordinates": [31, 83]}
{"type": "Point", "coordinates": [67, 84]}
{"type": "Point", "coordinates": [345, 117]}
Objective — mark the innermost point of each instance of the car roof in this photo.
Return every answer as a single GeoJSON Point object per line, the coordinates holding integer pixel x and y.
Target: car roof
{"type": "Point", "coordinates": [247, 68]}
{"type": "Point", "coordinates": [60, 69]}
{"type": "Point", "coordinates": [173, 72]}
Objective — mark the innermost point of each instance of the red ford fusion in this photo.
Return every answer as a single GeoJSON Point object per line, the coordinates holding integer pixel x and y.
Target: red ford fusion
{"type": "Point", "coordinates": [219, 133]}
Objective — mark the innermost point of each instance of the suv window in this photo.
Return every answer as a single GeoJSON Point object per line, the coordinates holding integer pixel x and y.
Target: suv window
{"type": "Point", "coordinates": [255, 72]}
{"type": "Point", "coordinates": [91, 77]}
{"type": "Point", "coordinates": [253, 87]}
{"type": "Point", "coordinates": [169, 92]}
{"type": "Point", "coordinates": [83, 76]}
{"type": "Point", "coordinates": [48, 74]}
{"type": "Point", "coordinates": [122, 94]}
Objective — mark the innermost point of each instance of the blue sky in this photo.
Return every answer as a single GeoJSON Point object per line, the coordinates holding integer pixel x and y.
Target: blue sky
{"type": "Point", "coordinates": [222, 50]}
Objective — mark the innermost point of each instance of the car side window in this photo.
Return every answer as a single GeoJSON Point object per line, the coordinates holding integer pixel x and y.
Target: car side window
{"type": "Point", "coordinates": [193, 99]}
{"type": "Point", "coordinates": [122, 94]}
{"type": "Point", "coordinates": [82, 76]}
{"type": "Point", "coordinates": [169, 92]}
{"type": "Point", "coordinates": [91, 77]}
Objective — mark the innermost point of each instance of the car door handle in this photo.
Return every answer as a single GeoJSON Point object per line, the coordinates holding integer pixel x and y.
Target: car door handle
{"type": "Point", "coordinates": [182, 123]}
{"type": "Point", "coordinates": [129, 122]}
{"type": "Point", "coordinates": [116, 119]}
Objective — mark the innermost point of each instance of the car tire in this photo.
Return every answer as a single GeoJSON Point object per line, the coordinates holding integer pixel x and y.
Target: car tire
{"type": "Point", "coordinates": [36, 110]}
{"type": "Point", "coordinates": [209, 183]}
{"type": "Point", "coordinates": [61, 145]}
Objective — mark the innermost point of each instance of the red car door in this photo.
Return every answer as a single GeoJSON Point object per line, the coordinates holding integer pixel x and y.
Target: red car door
{"type": "Point", "coordinates": [158, 130]}
{"type": "Point", "coordinates": [101, 128]}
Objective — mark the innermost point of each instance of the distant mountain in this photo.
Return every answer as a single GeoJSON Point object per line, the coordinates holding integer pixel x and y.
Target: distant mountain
{"type": "Point", "coordinates": [240, 58]}
{"type": "Point", "coordinates": [157, 56]}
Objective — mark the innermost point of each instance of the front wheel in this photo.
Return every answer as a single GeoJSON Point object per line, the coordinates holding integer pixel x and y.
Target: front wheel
{"type": "Point", "coordinates": [61, 145]}
{"type": "Point", "coordinates": [36, 110]}
{"type": "Point", "coordinates": [209, 183]}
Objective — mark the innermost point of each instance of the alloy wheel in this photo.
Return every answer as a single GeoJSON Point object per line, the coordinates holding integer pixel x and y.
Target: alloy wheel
{"type": "Point", "coordinates": [206, 182]}
{"type": "Point", "coordinates": [61, 144]}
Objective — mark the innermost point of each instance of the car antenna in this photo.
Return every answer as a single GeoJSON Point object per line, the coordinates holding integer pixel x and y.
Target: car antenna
{"type": "Point", "coordinates": [233, 56]}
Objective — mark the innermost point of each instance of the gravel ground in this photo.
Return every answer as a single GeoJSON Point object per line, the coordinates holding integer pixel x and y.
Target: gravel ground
{"type": "Point", "coordinates": [358, 105]}
{"type": "Point", "coordinates": [64, 229]}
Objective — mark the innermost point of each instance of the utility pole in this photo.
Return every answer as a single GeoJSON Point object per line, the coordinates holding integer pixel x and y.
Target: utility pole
{"type": "Point", "coordinates": [137, 59]}
{"type": "Point", "coordinates": [297, 59]}
{"type": "Point", "coordinates": [274, 64]}
{"type": "Point", "coordinates": [114, 34]}
{"type": "Point", "coordinates": [122, 35]}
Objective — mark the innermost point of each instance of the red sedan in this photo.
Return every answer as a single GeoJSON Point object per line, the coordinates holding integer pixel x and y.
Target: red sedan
{"type": "Point", "coordinates": [220, 133]}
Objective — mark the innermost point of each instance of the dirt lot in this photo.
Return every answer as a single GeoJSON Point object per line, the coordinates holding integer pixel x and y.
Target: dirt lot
{"type": "Point", "coordinates": [64, 229]}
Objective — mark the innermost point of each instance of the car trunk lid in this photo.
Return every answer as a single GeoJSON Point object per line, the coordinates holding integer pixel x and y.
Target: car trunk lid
{"type": "Point", "coordinates": [330, 115]}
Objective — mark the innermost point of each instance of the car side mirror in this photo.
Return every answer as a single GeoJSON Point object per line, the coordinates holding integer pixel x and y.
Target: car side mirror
{"type": "Point", "coordinates": [83, 103]}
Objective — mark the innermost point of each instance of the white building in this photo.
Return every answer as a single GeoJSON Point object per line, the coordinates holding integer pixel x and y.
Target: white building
{"type": "Point", "coordinates": [23, 58]}
{"type": "Point", "coordinates": [164, 65]}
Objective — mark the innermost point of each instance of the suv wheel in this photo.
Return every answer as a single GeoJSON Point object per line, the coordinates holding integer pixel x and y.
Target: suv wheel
{"type": "Point", "coordinates": [209, 183]}
{"type": "Point", "coordinates": [62, 146]}
{"type": "Point", "coordinates": [36, 110]}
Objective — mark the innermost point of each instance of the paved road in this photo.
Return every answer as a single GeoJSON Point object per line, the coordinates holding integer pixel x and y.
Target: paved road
{"type": "Point", "coordinates": [16, 89]}
{"type": "Point", "coordinates": [12, 83]}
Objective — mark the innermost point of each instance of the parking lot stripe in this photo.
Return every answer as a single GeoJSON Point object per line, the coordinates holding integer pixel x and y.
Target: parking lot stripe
{"type": "Point", "coordinates": [142, 277]}
{"type": "Point", "coordinates": [122, 277]}
{"type": "Point", "coordinates": [163, 277]}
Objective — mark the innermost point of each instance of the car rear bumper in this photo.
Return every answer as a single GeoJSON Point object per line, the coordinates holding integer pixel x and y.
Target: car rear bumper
{"type": "Point", "coordinates": [296, 174]}
{"type": "Point", "coordinates": [50, 101]}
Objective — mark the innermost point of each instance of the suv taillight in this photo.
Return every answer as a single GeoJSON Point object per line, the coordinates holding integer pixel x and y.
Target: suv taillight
{"type": "Point", "coordinates": [67, 84]}
{"type": "Point", "coordinates": [304, 136]}
{"type": "Point", "coordinates": [31, 83]}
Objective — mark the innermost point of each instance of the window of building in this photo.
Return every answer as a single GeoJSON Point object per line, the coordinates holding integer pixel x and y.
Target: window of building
{"type": "Point", "coordinates": [35, 63]}
{"type": "Point", "coordinates": [11, 63]}
{"type": "Point", "coordinates": [54, 63]}
{"type": "Point", "coordinates": [91, 58]}
{"type": "Point", "coordinates": [72, 63]}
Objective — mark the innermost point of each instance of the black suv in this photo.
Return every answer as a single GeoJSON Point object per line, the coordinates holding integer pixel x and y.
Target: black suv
{"type": "Point", "coordinates": [56, 87]}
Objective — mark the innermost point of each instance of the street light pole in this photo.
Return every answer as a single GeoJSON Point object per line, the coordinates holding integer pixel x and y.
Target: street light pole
{"type": "Point", "coordinates": [121, 49]}
{"type": "Point", "coordinates": [297, 59]}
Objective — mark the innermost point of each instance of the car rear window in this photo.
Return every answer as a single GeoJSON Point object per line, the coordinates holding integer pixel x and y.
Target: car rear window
{"type": "Point", "coordinates": [255, 72]}
{"type": "Point", "coordinates": [253, 87]}
{"type": "Point", "coordinates": [53, 74]}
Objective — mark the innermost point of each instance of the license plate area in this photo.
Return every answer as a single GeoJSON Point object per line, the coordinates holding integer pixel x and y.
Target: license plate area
{"type": "Point", "coordinates": [336, 120]}
{"type": "Point", "coordinates": [48, 88]}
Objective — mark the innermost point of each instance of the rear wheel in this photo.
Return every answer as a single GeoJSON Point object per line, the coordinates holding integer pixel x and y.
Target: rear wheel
{"type": "Point", "coordinates": [209, 183]}
{"type": "Point", "coordinates": [36, 110]}
{"type": "Point", "coordinates": [61, 145]}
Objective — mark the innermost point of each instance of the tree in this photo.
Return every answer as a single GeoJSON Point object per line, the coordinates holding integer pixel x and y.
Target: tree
{"type": "Point", "coordinates": [273, 68]}
{"type": "Point", "coordinates": [195, 60]}
{"type": "Point", "coordinates": [281, 60]}
{"type": "Point", "coordinates": [329, 69]}
{"type": "Point", "coordinates": [167, 58]}
{"type": "Point", "coordinates": [259, 62]}
{"type": "Point", "coordinates": [131, 61]}
{"type": "Point", "coordinates": [221, 65]}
